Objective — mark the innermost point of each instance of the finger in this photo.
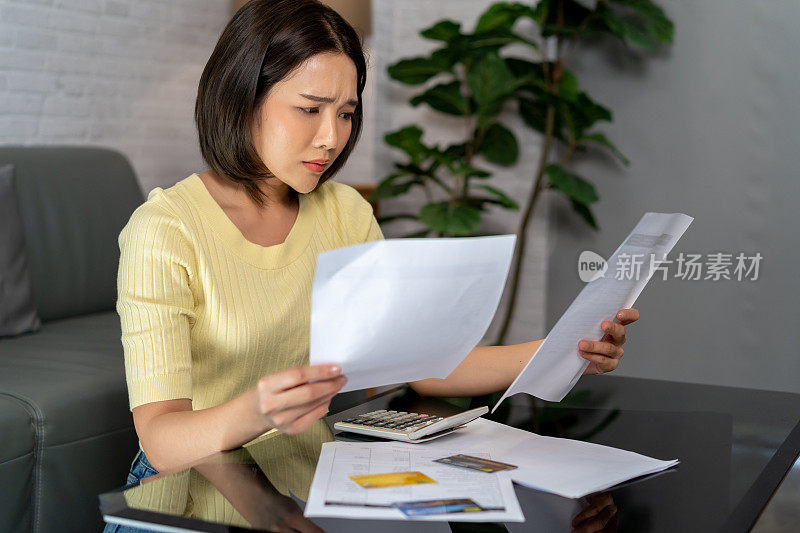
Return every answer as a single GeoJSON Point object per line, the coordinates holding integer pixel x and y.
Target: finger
{"type": "Point", "coordinates": [288, 415]}
{"type": "Point", "coordinates": [594, 504]}
{"type": "Point", "coordinates": [297, 376]}
{"type": "Point", "coordinates": [309, 393]}
{"type": "Point", "coordinates": [602, 499]}
{"type": "Point", "coordinates": [601, 348]}
{"type": "Point", "coordinates": [298, 522]}
{"type": "Point", "coordinates": [627, 316]}
{"type": "Point", "coordinates": [304, 422]}
{"type": "Point", "coordinates": [588, 512]}
{"type": "Point", "coordinates": [602, 362]}
{"type": "Point", "coordinates": [614, 332]}
{"type": "Point", "coordinates": [290, 418]}
{"type": "Point", "coordinates": [597, 522]}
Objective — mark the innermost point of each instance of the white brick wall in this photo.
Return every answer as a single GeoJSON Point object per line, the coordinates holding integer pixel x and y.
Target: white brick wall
{"type": "Point", "coordinates": [396, 27]}
{"type": "Point", "coordinates": [115, 73]}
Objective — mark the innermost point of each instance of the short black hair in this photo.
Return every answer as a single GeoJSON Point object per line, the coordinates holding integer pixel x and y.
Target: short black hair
{"type": "Point", "coordinates": [263, 43]}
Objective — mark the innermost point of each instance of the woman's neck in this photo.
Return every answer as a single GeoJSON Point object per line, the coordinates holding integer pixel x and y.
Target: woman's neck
{"type": "Point", "coordinates": [231, 194]}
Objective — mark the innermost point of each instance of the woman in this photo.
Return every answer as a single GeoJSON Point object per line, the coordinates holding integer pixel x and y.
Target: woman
{"type": "Point", "coordinates": [215, 272]}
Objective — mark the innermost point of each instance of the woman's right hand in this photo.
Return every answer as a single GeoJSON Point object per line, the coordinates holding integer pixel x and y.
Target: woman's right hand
{"type": "Point", "coordinates": [294, 399]}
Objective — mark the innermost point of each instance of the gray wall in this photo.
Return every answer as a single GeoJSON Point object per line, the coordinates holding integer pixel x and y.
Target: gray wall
{"type": "Point", "coordinates": [711, 127]}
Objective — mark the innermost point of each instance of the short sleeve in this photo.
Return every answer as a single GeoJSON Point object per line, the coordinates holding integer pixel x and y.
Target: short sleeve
{"type": "Point", "coordinates": [374, 232]}
{"type": "Point", "coordinates": [155, 305]}
{"type": "Point", "coordinates": [360, 223]}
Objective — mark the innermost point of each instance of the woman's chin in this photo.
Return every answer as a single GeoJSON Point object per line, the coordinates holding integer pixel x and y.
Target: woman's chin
{"type": "Point", "coordinates": [306, 187]}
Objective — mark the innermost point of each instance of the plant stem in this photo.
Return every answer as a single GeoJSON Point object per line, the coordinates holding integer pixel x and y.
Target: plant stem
{"type": "Point", "coordinates": [521, 233]}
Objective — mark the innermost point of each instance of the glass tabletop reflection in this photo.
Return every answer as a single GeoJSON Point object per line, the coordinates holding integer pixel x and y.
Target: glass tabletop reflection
{"type": "Point", "coordinates": [735, 446]}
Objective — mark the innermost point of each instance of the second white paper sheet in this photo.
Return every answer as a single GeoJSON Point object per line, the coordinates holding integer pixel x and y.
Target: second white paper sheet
{"type": "Point", "coordinates": [401, 310]}
{"type": "Point", "coordinates": [556, 366]}
{"type": "Point", "coordinates": [569, 468]}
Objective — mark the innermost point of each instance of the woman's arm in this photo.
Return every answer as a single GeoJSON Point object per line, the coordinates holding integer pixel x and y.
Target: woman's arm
{"type": "Point", "coordinates": [484, 370]}
{"type": "Point", "coordinates": [173, 435]}
{"type": "Point", "coordinates": [488, 369]}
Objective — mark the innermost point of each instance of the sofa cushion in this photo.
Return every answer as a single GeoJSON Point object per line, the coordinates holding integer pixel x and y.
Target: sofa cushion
{"type": "Point", "coordinates": [17, 309]}
{"type": "Point", "coordinates": [72, 373]}
{"type": "Point", "coordinates": [16, 427]}
{"type": "Point", "coordinates": [67, 383]}
{"type": "Point", "coordinates": [74, 202]}
{"type": "Point", "coordinates": [16, 464]}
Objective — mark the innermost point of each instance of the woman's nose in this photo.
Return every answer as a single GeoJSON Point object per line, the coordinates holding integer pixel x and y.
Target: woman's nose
{"type": "Point", "coordinates": [327, 136]}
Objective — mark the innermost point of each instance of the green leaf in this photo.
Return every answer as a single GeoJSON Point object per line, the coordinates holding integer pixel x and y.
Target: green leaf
{"type": "Point", "coordinates": [585, 113]}
{"type": "Point", "coordinates": [501, 16]}
{"type": "Point", "coordinates": [445, 30]}
{"type": "Point", "coordinates": [505, 200]}
{"type": "Point", "coordinates": [522, 67]}
{"type": "Point", "coordinates": [446, 57]}
{"type": "Point", "coordinates": [575, 187]}
{"type": "Point", "coordinates": [631, 32]}
{"type": "Point", "coordinates": [415, 70]}
{"type": "Point", "coordinates": [445, 97]}
{"type": "Point", "coordinates": [658, 27]}
{"type": "Point", "coordinates": [408, 139]}
{"type": "Point", "coordinates": [482, 43]}
{"type": "Point", "coordinates": [534, 114]}
{"type": "Point", "coordinates": [455, 151]}
{"type": "Point", "coordinates": [490, 79]}
{"type": "Point", "coordinates": [529, 75]}
{"type": "Point", "coordinates": [557, 16]}
{"type": "Point", "coordinates": [568, 88]}
{"type": "Point", "coordinates": [389, 187]}
{"type": "Point", "coordinates": [401, 216]}
{"type": "Point", "coordinates": [468, 171]}
{"type": "Point", "coordinates": [454, 220]}
{"type": "Point", "coordinates": [602, 140]}
{"type": "Point", "coordinates": [585, 213]}
{"type": "Point", "coordinates": [409, 168]}
{"type": "Point", "coordinates": [499, 145]}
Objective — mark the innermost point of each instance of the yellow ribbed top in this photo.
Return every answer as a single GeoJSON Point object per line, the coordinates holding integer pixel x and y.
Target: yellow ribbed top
{"type": "Point", "coordinates": [205, 313]}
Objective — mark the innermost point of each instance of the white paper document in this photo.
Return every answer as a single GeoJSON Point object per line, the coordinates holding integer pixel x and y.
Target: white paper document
{"type": "Point", "coordinates": [566, 467]}
{"type": "Point", "coordinates": [401, 310]}
{"type": "Point", "coordinates": [556, 366]}
{"type": "Point", "coordinates": [334, 494]}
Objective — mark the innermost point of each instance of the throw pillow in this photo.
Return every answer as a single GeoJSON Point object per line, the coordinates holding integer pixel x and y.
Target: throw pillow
{"type": "Point", "coordinates": [17, 307]}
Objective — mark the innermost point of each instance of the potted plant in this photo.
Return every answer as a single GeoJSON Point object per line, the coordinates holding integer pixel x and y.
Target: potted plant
{"type": "Point", "coordinates": [469, 77]}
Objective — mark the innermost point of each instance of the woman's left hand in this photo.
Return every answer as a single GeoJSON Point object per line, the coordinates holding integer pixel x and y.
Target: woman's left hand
{"type": "Point", "coordinates": [604, 355]}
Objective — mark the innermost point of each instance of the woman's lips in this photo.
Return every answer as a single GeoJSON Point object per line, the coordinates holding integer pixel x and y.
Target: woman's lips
{"type": "Point", "coordinates": [314, 167]}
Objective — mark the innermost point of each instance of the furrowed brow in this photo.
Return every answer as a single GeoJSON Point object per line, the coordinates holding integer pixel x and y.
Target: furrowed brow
{"type": "Point", "coordinates": [326, 99]}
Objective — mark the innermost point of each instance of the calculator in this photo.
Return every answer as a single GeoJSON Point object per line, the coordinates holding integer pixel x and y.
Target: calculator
{"type": "Point", "coordinates": [407, 427]}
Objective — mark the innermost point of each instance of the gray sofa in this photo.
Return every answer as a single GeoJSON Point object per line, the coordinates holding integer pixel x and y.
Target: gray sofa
{"type": "Point", "coordinates": [66, 433]}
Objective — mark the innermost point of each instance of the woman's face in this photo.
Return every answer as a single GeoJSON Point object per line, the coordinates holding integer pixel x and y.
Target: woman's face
{"type": "Point", "coordinates": [306, 118]}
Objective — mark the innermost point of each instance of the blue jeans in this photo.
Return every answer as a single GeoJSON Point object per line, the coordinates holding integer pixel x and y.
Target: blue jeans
{"type": "Point", "coordinates": [140, 469]}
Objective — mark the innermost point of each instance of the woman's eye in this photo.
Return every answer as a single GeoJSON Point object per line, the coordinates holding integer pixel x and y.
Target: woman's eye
{"type": "Point", "coordinates": [347, 116]}
{"type": "Point", "coordinates": [310, 109]}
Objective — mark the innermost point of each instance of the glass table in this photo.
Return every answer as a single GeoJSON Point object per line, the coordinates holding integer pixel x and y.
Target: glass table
{"type": "Point", "coordinates": [735, 447]}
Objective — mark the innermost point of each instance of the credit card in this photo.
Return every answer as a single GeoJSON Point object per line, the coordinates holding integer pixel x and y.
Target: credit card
{"type": "Point", "coordinates": [393, 479]}
{"type": "Point", "coordinates": [428, 507]}
{"type": "Point", "coordinates": [475, 463]}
